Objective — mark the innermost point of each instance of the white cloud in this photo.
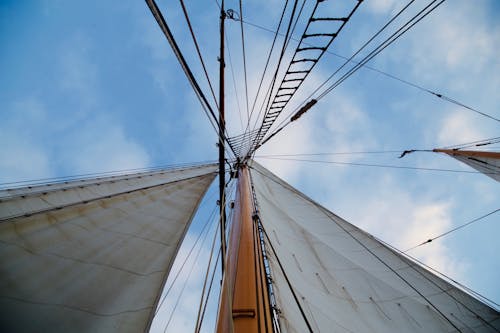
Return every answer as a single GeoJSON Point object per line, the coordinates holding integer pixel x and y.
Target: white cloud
{"type": "Point", "coordinates": [430, 220]}
{"type": "Point", "coordinates": [450, 46]}
{"type": "Point", "coordinates": [381, 6]}
{"type": "Point", "coordinates": [162, 59]}
{"type": "Point", "coordinates": [299, 139]}
{"type": "Point", "coordinates": [103, 145]}
{"type": "Point", "coordinates": [347, 127]}
{"type": "Point", "coordinates": [23, 156]}
{"type": "Point", "coordinates": [79, 74]}
{"type": "Point", "coordinates": [399, 218]}
{"type": "Point", "coordinates": [22, 159]}
{"type": "Point", "coordinates": [457, 128]}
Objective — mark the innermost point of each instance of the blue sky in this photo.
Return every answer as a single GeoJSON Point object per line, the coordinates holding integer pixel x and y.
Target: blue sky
{"type": "Point", "coordinates": [92, 86]}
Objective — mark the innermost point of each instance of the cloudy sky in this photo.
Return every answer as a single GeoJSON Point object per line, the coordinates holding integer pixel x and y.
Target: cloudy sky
{"type": "Point", "coordinates": [93, 86]}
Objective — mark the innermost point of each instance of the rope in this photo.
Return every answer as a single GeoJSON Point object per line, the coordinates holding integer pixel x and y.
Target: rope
{"type": "Point", "coordinates": [165, 294]}
{"type": "Point", "coordinates": [198, 51]}
{"type": "Point", "coordinates": [198, 319]}
{"type": "Point", "coordinates": [396, 35]}
{"type": "Point", "coordinates": [244, 57]}
{"type": "Point", "coordinates": [234, 82]}
{"type": "Point", "coordinates": [374, 165]}
{"type": "Point", "coordinates": [280, 59]}
{"type": "Point", "coordinates": [185, 282]}
{"type": "Point", "coordinates": [104, 174]}
{"type": "Point", "coordinates": [267, 64]}
{"type": "Point", "coordinates": [209, 291]}
{"type": "Point", "coordinates": [278, 104]}
{"type": "Point", "coordinates": [362, 48]}
{"type": "Point", "coordinates": [189, 74]}
{"type": "Point", "coordinates": [452, 230]}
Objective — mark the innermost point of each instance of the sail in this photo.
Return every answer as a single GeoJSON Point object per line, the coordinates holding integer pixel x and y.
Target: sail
{"type": "Point", "coordinates": [329, 276]}
{"type": "Point", "coordinates": [485, 162]}
{"type": "Point", "coordinates": [93, 255]}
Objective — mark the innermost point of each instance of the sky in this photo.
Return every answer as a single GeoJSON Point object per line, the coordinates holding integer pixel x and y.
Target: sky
{"type": "Point", "coordinates": [93, 86]}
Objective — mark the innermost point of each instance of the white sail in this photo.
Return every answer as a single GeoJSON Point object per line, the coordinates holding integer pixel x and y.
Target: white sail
{"type": "Point", "coordinates": [489, 166]}
{"type": "Point", "coordinates": [92, 256]}
{"type": "Point", "coordinates": [334, 277]}
{"type": "Point", "coordinates": [486, 162]}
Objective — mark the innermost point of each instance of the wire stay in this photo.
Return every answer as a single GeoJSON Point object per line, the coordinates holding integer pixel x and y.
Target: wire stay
{"type": "Point", "coordinates": [453, 230]}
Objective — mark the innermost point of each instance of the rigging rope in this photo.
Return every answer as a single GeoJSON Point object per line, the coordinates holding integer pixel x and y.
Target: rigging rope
{"type": "Point", "coordinates": [185, 67]}
{"type": "Point", "coordinates": [374, 165]}
{"type": "Point", "coordinates": [452, 230]}
{"type": "Point", "coordinates": [205, 280]}
{"type": "Point", "coordinates": [477, 143]}
{"type": "Point", "coordinates": [401, 11]}
{"type": "Point", "coordinates": [96, 175]}
{"type": "Point", "coordinates": [453, 281]}
{"type": "Point", "coordinates": [186, 280]}
{"type": "Point", "coordinates": [413, 266]}
{"type": "Point", "coordinates": [165, 293]}
{"type": "Point", "coordinates": [334, 153]}
{"type": "Point", "coordinates": [280, 59]}
{"type": "Point", "coordinates": [301, 64]}
{"type": "Point", "coordinates": [202, 316]}
{"type": "Point", "coordinates": [267, 64]}
{"type": "Point", "coordinates": [198, 51]}
{"type": "Point", "coordinates": [234, 82]}
{"type": "Point", "coordinates": [365, 66]}
{"type": "Point", "coordinates": [397, 34]}
{"type": "Point", "coordinates": [244, 57]}
{"type": "Point", "coordinates": [192, 80]}
{"type": "Point", "coordinates": [270, 88]}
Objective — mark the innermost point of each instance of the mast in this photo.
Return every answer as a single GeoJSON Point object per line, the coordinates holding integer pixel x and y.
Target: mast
{"type": "Point", "coordinates": [222, 126]}
{"type": "Point", "coordinates": [244, 305]}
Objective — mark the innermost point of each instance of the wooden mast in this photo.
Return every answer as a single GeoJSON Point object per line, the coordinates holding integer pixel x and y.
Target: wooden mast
{"type": "Point", "coordinates": [244, 305]}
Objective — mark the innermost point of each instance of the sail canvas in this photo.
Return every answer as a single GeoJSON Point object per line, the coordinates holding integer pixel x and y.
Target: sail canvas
{"type": "Point", "coordinates": [92, 255]}
{"type": "Point", "coordinates": [330, 276]}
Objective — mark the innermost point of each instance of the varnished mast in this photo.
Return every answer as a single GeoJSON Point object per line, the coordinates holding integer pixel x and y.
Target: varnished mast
{"type": "Point", "coordinates": [244, 303]}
